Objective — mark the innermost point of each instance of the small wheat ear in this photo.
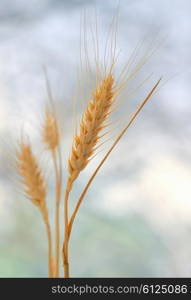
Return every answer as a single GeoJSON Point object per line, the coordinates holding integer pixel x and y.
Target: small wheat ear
{"type": "Point", "coordinates": [51, 137]}
{"type": "Point", "coordinates": [50, 134]}
{"type": "Point", "coordinates": [35, 189]}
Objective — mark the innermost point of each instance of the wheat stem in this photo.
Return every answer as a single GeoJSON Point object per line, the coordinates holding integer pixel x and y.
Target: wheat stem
{"type": "Point", "coordinates": [58, 178]}
{"type": "Point", "coordinates": [84, 145]}
{"type": "Point", "coordinates": [50, 257]}
{"type": "Point", "coordinates": [45, 216]}
{"type": "Point", "coordinates": [35, 189]}
{"type": "Point", "coordinates": [65, 244]}
{"type": "Point", "coordinates": [51, 137]}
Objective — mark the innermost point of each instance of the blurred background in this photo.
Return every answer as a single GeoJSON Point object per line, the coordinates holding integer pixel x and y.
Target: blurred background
{"type": "Point", "coordinates": [136, 218]}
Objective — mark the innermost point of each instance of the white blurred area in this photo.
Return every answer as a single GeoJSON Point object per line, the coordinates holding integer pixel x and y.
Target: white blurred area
{"type": "Point", "coordinates": [147, 179]}
{"type": "Point", "coordinates": [161, 192]}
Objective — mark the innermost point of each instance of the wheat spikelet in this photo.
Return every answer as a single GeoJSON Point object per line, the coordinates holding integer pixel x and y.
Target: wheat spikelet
{"type": "Point", "coordinates": [35, 190]}
{"type": "Point", "coordinates": [51, 136]}
{"type": "Point", "coordinates": [93, 121]}
{"type": "Point", "coordinates": [31, 176]}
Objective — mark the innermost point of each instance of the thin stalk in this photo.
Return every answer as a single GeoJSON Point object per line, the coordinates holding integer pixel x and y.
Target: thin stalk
{"type": "Point", "coordinates": [58, 175]}
{"type": "Point", "coordinates": [106, 156]}
{"type": "Point", "coordinates": [65, 244]}
{"type": "Point", "coordinates": [50, 258]}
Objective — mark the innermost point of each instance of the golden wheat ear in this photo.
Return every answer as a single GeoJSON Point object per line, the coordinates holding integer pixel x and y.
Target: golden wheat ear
{"type": "Point", "coordinates": [31, 175]}
{"type": "Point", "coordinates": [51, 138]}
{"type": "Point", "coordinates": [122, 133]}
{"type": "Point", "coordinates": [50, 133]}
{"type": "Point", "coordinates": [92, 123]}
{"type": "Point", "coordinates": [35, 189]}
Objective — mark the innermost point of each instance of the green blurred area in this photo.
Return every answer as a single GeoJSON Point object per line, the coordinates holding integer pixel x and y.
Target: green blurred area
{"type": "Point", "coordinates": [100, 247]}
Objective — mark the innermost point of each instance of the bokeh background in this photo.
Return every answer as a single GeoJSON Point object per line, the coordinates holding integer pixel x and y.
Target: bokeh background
{"type": "Point", "coordinates": [136, 218]}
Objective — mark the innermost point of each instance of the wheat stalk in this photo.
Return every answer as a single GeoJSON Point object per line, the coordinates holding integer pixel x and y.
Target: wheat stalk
{"type": "Point", "coordinates": [51, 135]}
{"type": "Point", "coordinates": [35, 189]}
{"type": "Point", "coordinates": [68, 224]}
{"type": "Point", "coordinates": [51, 138]}
{"type": "Point", "coordinates": [93, 121]}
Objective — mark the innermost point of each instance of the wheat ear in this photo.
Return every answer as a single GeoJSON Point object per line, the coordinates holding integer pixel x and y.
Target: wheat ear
{"type": "Point", "coordinates": [35, 189]}
{"type": "Point", "coordinates": [133, 117]}
{"type": "Point", "coordinates": [84, 144]}
{"type": "Point", "coordinates": [51, 136]}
